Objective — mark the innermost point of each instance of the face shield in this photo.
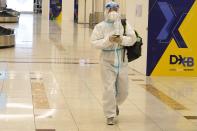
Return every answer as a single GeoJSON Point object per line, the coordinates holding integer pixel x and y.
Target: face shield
{"type": "Point", "coordinates": [111, 12]}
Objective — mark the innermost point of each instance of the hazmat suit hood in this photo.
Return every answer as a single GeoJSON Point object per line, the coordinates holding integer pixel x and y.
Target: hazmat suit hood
{"type": "Point", "coordinates": [111, 13]}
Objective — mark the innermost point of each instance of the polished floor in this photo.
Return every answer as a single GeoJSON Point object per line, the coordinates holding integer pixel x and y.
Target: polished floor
{"type": "Point", "coordinates": [51, 81]}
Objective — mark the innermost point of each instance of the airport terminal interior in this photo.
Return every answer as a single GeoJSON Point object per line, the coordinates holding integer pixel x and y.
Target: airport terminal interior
{"type": "Point", "coordinates": [50, 73]}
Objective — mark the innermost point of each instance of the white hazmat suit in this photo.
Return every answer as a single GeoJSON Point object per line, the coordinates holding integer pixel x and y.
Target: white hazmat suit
{"type": "Point", "coordinates": [114, 70]}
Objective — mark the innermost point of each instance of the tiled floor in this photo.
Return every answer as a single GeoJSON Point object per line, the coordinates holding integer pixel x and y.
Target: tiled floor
{"type": "Point", "coordinates": [51, 82]}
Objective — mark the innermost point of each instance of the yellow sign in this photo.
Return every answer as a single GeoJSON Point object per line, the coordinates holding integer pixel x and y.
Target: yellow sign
{"type": "Point", "coordinates": [181, 61]}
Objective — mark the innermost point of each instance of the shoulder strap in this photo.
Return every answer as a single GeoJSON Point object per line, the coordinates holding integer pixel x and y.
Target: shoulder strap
{"type": "Point", "coordinates": [124, 23]}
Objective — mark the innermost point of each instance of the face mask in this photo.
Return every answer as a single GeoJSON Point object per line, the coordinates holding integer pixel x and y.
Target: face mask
{"type": "Point", "coordinates": [112, 17]}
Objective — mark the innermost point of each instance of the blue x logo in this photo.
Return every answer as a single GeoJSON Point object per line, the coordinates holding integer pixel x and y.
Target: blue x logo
{"type": "Point", "coordinates": [171, 26]}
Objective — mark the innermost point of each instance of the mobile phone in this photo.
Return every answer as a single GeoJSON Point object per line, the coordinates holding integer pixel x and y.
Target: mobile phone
{"type": "Point", "coordinates": [116, 35]}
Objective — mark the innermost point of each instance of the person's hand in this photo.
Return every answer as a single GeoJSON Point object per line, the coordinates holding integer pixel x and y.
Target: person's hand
{"type": "Point", "coordinates": [115, 39]}
{"type": "Point", "coordinates": [118, 40]}
{"type": "Point", "coordinates": [112, 38]}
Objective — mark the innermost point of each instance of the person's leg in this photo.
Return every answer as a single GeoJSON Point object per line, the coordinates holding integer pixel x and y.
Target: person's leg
{"type": "Point", "coordinates": [109, 93]}
{"type": "Point", "coordinates": [122, 85]}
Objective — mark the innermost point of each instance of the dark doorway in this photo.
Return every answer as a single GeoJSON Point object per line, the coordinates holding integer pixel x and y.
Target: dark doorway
{"type": "Point", "coordinates": [76, 8]}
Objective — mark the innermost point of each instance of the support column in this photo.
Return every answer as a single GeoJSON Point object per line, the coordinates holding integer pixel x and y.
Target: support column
{"type": "Point", "coordinates": [67, 25]}
{"type": "Point", "coordinates": [45, 9]}
{"type": "Point", "coordinates": [85, 9]}
{"type": "Point", "coordinates": [139, 23]}
{"type": "Point", "coordinates": [68, 10]}
{"type": "Point", "coordinates": [98, 6]}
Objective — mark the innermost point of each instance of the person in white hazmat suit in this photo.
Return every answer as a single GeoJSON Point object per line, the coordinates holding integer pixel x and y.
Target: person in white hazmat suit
{"type": "Point", "coordinates": [108, 36]}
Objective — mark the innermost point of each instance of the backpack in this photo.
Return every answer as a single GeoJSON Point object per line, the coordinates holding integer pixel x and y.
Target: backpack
{"type": "Point", "coordinates": [134, 51]}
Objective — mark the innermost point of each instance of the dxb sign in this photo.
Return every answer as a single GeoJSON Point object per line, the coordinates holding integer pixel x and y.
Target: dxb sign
{"type": "Point", "coordinates": [181, 60]}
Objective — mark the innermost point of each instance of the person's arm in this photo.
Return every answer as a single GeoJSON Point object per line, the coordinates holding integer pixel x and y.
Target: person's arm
{"type": "Point", "coordinates": [98, 39]}
{"type": "Point", "coordinates": [130, 37]}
